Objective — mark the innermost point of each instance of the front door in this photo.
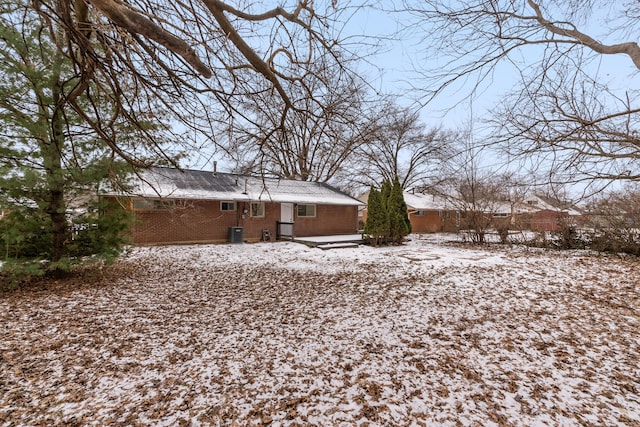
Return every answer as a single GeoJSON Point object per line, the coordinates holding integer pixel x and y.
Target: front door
{"type": "Point", "coordinates": [286, 212]}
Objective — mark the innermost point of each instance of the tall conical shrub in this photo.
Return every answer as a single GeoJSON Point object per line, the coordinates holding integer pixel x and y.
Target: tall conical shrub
{"type": "Point", "coordinates": [397, 211]}
{"type": "Point", "coordinates": [387, 217]}
{"type": "Point", "coordinates": [385, 194]}
{"type": "Point", "coordinates": [377, 223]}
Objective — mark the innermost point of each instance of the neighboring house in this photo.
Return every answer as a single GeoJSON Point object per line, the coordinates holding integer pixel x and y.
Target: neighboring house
{"type": "Point", "coordinates": [428, 213]}
{"type": "Point", "coordinates": [533, 212]}
{"type": "Point", "coordinates": [539, 213]}
{"type": "Point", "coordinates": [189, 206]}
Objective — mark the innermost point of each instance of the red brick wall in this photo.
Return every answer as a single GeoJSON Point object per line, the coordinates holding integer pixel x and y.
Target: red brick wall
{"type": "Point", "coordinates": [329, 219]}
{"type": "Point", "coordinates": [189, 221]}
{"type": "Point", "coordinates": [200, 221]}
{"type": "Point", "coordinates": [253, 226]}
{"type": "Point", "coordinates": [546, 220]}
{"type": "Point", "coordinates": [430, 222]}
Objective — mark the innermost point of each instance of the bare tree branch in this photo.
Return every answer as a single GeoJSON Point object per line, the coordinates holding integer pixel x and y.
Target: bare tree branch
{"type": "Point", "coordinates": [564, 114]}
{"type": "Point", "coordinates": [136, 23]}
{"type": "Point", "coordinates": [630, 49]}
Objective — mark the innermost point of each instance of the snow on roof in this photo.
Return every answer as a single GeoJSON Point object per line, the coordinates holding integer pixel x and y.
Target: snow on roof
{"type": "Point", "coordinates": [425, 202]}
{"type": "Point", "coordinates": [420, 201]}
{"type": "Point", "coordinates": [205, 185]}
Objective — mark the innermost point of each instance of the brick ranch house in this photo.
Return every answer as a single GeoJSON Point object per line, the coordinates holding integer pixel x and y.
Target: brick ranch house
{"type": "Point", "coordinates": [189, 206]}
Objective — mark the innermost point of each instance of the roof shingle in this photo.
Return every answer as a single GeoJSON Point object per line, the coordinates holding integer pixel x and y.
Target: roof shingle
{"type": "Point", "coordinates": [205, 185]}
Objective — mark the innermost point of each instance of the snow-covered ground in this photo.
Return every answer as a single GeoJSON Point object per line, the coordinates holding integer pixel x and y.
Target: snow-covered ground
{"type": "Point", "coordinates": [284, 335]}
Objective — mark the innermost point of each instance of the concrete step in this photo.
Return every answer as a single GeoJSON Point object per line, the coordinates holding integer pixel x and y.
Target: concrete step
{"type": "Point", "coordinates": [326, 246]}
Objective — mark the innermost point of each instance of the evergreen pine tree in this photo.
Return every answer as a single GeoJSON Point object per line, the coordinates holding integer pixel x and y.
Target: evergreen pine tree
{"type": "Point", "coordinates": [397, 214]}
{"type": "Point", "coordinates": [387, 218]}
{"type": "Point", "coordinates": [370, 223]}
{"type": "Point", "coordinates": [377, 224]}
{"type": "Point", "coordinates": [403, 207]}
{"type": "Point", "coordinates": [50, 159]}
{"type": "Point", "coordinates": [385, 195]}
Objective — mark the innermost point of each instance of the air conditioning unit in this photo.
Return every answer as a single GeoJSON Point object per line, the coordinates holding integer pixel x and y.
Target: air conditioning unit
{"type": "Point", "coordinates": [236, 235]}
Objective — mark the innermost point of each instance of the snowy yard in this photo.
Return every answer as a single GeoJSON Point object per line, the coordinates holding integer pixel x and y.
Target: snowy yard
{"type": "Point", "coordinates": [280, 334]}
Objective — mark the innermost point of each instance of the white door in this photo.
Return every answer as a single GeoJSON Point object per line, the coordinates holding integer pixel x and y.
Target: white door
{"type": "Point", "coordinates": [286, 212]}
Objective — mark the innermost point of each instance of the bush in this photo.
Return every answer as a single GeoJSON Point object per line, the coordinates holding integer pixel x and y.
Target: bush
{"type": "Point", "coordinates": [101, 232]}
{"type": "Point", "coordinates": [13, 273]}
{"type": "Point", "coordinates": [25, 238]}
{"type": "Point", "coordinates": [567, 237]}
{"type": "Point", "coordinates": [616, 242]}
{"type": "Point", "coordinates": [25, 233]}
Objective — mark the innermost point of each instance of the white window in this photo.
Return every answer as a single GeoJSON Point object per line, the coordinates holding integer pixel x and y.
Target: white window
{"type": "Point", "coordinates": [307, 211]}
{"type": "Point", "coordinates": [257, 209]}
{"type": "Point", "coordinates": [419, 213]}
{"type": "Point", "coordinates": [226, 206]}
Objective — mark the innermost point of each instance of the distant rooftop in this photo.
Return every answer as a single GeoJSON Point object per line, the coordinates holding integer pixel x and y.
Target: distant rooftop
{"type": "Point", "coordinates": [425, 202]}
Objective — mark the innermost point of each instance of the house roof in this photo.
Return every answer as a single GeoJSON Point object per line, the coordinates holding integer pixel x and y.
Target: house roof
{"type": "Point", "coordinates": [423, 201]}
{"type": "Point", "coordinates": [420, 201]}
{"type": "Point", "coordinates": [426, 202]}
{"type": "Point", "coordinates": [205, 185]}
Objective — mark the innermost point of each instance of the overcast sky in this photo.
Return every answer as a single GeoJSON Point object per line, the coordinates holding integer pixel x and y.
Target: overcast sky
{"type": "Point", "coordinates": [391, 69]}
{"type": "Point", "coordinates": [401, 56]}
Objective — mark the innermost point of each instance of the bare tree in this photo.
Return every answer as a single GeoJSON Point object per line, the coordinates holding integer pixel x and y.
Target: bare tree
{"type": "Point", "coordinates": [479, 194]}
{"type": "Point", "coordinates": [189, 59]}
{"type": "Point", "coordinates": [614, 220]}
{"type": "Point", "coordinates": [401, 147]}
{"type": "Point", "coordinates": [311, 143]}
{"type": "Point", "coordinates": [570, 131]}
{"type": "Point", "coordinates": [565, 110]}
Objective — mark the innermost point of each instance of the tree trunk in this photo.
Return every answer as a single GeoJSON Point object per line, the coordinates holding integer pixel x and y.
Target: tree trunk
{"type": "Point", "coordinates": [58, 224]}
{"type": "Point", "coordinates": [56, 208]}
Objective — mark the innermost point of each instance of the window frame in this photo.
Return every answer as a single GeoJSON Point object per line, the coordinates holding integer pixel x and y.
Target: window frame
{"type": "Point", "coordinates": [231, 202]}
{"type": "Point", "coordinates": [261, 207]}
{"type": "Point", "coordinates": [306, 214]}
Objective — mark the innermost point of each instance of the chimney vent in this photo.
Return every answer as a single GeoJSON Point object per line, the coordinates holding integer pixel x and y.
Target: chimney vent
{"type": "Point", "coordinates": [215, 168]}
